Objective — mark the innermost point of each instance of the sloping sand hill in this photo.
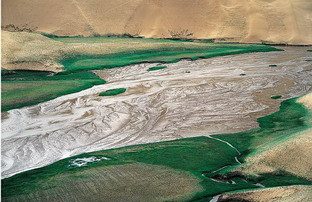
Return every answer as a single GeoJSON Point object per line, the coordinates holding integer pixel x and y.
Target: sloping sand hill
{"type": "Point", "coordinates": [277, 21]}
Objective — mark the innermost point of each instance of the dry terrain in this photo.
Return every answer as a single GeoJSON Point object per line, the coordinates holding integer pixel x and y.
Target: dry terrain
{"type": "Point", "coordinates": [276, 21]}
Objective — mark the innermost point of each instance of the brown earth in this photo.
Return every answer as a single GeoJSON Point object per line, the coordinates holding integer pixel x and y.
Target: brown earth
{"type": "Point", "coordinates": [276, 21]}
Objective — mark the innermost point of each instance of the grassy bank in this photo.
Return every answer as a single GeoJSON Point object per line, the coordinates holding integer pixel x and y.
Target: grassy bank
{"type": "Point", "coordinates": [165, 54]}
{"type": "Point", "coordinates": [24, 88]}
{"type": "Point", "coordinates": [207, 159]}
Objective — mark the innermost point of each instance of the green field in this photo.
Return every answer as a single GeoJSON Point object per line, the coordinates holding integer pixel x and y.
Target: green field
{"type": "Point", "coordinates": [24, 88]}
{"type": "Point", "coordinates": [112, 92]}
{"type": "Point", "coordinates": [207, 159]}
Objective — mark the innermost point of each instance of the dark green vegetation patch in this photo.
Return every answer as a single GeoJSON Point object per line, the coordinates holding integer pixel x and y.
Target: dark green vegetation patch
{"type": "Point", "coordinates": [24, 88]}
{"type": "Point", "coordinates": [208, 159]}
{"type": "Point", "coordinates": [275, 97]}
{"type": "Point", "coordinates": [112, 92]}
{"type": "Point", "coordinates": [159, 67]}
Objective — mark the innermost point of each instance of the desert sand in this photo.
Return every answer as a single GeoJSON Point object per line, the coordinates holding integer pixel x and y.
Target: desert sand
{"type": "Point", "coordinates": [275, 21]}
{"type": "Point", "coordinates": [306, 100]}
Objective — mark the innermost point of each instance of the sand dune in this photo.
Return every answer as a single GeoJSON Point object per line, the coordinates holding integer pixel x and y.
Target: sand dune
{"type": "Point", "coordinates": [277, 21]}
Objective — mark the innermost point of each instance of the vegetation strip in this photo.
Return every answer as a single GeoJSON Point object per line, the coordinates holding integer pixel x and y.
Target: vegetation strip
{"type": "Point", "coordinates": [155, 68]}
{"type": "Point", "coordinates": [275, 97]}
{"type": "Point", "coordinates": [157, 55]}
{"type": "Point", "coordinates": [112, 92]}
{"type": "Point", "coordinates": [210, 159]}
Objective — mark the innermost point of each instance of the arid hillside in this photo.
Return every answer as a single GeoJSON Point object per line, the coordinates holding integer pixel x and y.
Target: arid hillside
{"type": "Point", "coordinates": [276, 21]}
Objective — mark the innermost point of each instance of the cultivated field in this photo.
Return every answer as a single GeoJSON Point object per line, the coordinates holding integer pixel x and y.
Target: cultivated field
{"type": "Point", "coordinates": [129, 182]}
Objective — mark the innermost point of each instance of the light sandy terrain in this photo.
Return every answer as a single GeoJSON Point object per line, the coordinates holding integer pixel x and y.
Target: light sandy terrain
{"type": "Point", "coordinates": [276, 21]}
{"type": "Point", "coordinates": [29, 51]}
{"type": "Point", "coordinates": [280, 194]}
{"type": "Point", "coordinates": [306, 100]}
{"type": "Point", "coordinates": [157, 106]}
{"type": "Point", "coordinates": [131, 182]}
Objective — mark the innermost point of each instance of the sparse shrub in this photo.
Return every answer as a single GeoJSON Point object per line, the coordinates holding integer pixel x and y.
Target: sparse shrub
{"type": "Point", "coordinates": [22, 28]}
{"type": "Point", "coordinates": [182, 34]}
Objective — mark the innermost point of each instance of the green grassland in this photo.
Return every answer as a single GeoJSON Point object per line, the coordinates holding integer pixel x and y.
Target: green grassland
{"type": "Point", "coordinates": [24, 88]}
{"type": "Point", "coordinates": [112, 92]}
{"type": "Point", "coordinates": [207, 159]}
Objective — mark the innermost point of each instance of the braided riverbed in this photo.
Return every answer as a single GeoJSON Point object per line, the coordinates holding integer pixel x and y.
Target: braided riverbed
{"type": "Point", "coordinates": [186, 99]}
